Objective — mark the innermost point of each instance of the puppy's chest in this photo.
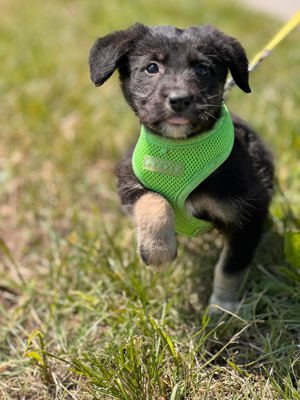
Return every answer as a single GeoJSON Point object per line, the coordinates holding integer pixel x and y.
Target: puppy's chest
{"type": "Point", "coordinates": [226, 211]}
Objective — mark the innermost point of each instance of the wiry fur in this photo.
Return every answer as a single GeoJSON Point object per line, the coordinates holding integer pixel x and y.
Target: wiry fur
{"type": "Point", "coordinates": [192, 66]}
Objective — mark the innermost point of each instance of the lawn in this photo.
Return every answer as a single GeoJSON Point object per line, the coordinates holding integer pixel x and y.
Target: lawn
{"type": "Point", "coordinates": [80, 316]}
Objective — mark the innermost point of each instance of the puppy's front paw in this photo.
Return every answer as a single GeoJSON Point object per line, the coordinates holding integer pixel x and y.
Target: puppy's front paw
{"type": "Point", "coordinates": [157, 253]}
{"type": "Point", "coordinates": [155, 230]}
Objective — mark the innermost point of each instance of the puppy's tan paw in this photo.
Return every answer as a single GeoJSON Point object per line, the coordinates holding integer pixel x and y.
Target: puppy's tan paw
{"type": "Point", "coordinates": [155, 230]}
{"type": "Point", "coordinates": [157, 254]}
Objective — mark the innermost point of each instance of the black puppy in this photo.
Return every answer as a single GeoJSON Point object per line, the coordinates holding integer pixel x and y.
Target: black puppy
{"type": "Point", "coordinates": [174, 81]}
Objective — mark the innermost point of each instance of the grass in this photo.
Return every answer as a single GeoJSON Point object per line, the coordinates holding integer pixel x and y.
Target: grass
{"type": "Point", "coordinates": [80, 316]}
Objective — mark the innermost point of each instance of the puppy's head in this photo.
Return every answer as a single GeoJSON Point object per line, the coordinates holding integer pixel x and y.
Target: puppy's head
{"type": "Point", "coordinates": [172, 78]}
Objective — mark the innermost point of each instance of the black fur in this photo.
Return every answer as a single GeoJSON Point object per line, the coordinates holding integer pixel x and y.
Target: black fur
{"type": "Point", "coordinates": [193, 65]}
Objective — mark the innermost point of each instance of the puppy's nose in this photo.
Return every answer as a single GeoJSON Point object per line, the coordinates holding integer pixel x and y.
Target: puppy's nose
{"type": "Point", "coordinates": [180, 102]}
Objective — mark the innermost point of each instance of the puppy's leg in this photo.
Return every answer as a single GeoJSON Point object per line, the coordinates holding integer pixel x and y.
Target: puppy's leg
{"type": "Point", "coordinates": [154, 220]}
{"type": "Point", "coordinates": [226, 285]}
{"type": "Point", "coordinates": [233, 264]}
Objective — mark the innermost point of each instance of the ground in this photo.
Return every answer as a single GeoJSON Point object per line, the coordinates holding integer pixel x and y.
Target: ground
{"type": "Point", "coordinates": [80, 316]}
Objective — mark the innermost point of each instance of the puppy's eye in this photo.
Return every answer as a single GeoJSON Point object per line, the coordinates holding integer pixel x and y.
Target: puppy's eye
{"type": "Point", "coordinates": [201, 70]}
{"type": "Point", "coordinates": [152, 69]}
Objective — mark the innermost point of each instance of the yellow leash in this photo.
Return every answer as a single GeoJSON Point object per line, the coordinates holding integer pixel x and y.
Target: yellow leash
{"type": "Point", "coordinates": [266, 51]}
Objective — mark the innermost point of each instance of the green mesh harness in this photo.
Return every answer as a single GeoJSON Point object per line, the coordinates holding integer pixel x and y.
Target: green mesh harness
{"type": "Point", "coordinates": [175, 167]}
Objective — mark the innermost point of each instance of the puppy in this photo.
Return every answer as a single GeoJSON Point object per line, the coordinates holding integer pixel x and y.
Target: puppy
{"type": "Point", "coordinates": [174, 81]}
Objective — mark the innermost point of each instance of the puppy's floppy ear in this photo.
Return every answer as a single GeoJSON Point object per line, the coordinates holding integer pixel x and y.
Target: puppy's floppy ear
{"type": "Point", "coordinates": [108, 51]}
{"type": "Point", "coordinates": [236, 60]}
{"type": "Point", "coordinates": [228, 51]}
